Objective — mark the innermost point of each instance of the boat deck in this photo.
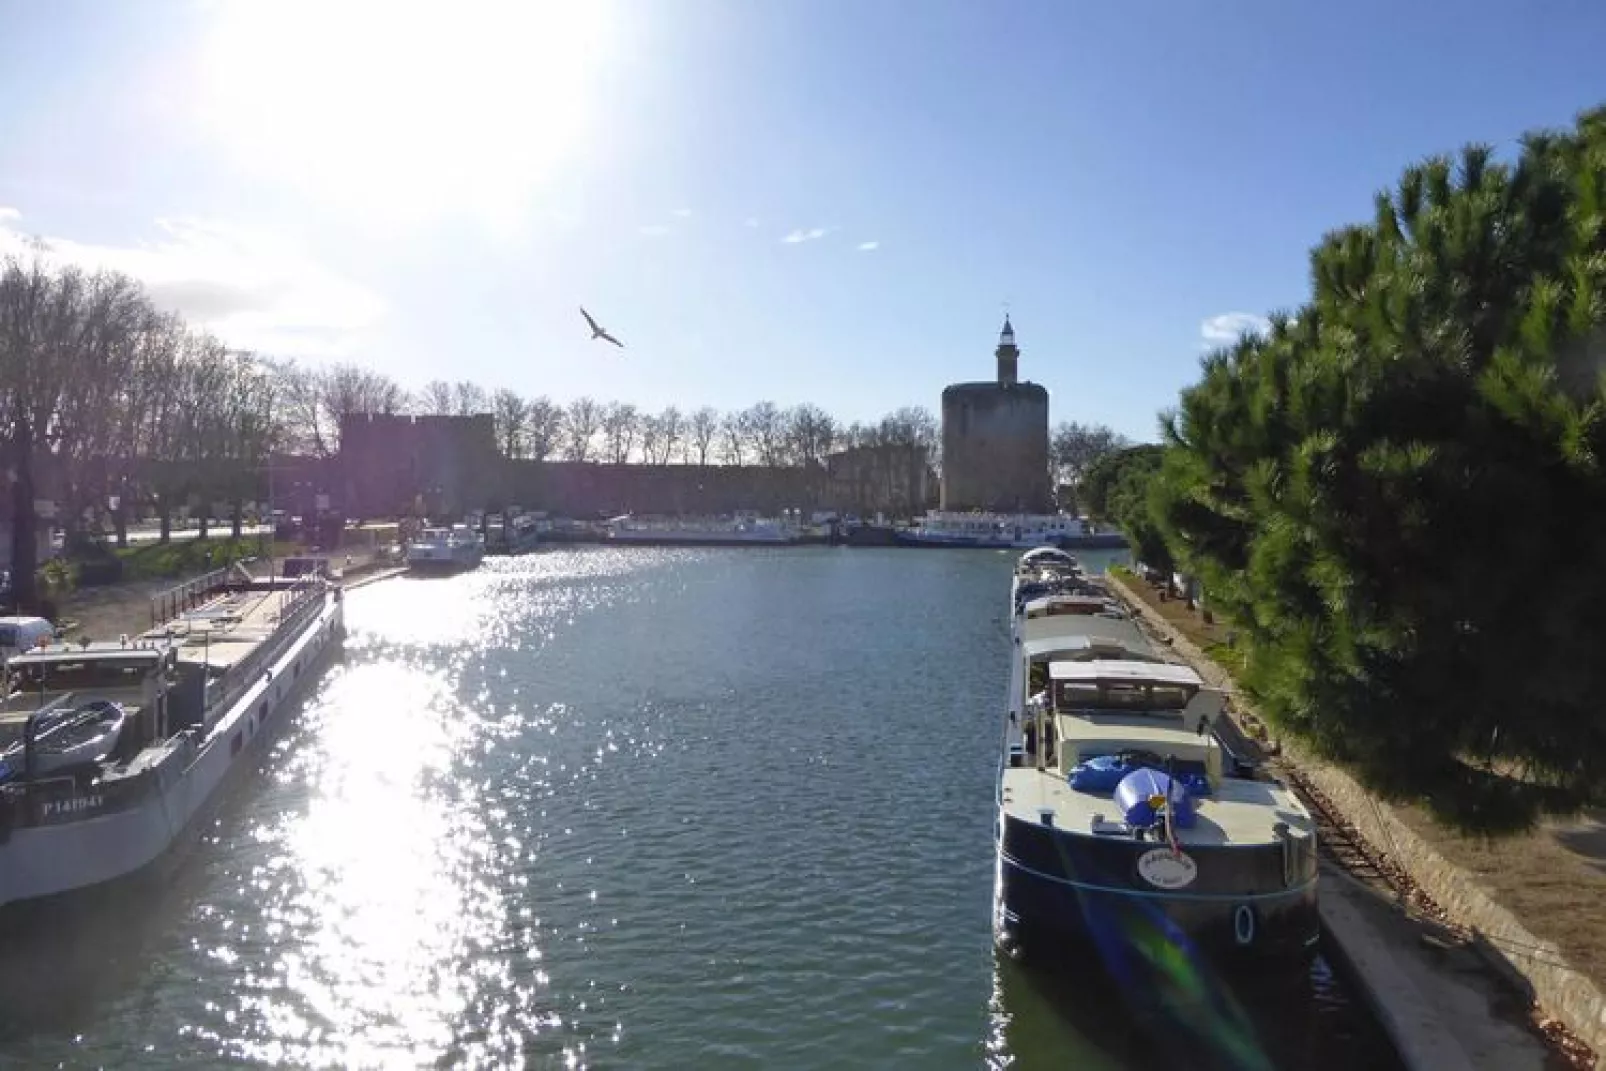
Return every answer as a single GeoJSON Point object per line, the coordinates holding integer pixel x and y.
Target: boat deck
{"type": "Point", "coordinates": [228, 629]}
{"type": "Point", "coordinates": [1238, 811]}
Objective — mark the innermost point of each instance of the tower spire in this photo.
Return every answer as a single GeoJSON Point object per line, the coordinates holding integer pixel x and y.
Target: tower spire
{"type": "Point", "coordinates": [1007, 353]}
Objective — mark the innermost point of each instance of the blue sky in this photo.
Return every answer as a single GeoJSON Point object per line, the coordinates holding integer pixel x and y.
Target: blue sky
{"type": "Point", "coordinates": [433, 190]}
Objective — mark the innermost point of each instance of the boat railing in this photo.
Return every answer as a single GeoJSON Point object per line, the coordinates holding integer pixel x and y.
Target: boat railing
{"type": "Point", "coordinates": [299, 602]}
{"type": "Point", "coordinates": [182, 598]}
{"type": "Point", "coordinates": [296, 599]}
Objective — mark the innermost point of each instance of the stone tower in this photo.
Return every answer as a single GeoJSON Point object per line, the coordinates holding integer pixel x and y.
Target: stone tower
{"type": "Point", "coordinates": [995, 440]}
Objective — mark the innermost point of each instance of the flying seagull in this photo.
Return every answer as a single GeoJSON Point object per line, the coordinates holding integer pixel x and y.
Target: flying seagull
{"type": "Point", "coordinates": [597, 331]}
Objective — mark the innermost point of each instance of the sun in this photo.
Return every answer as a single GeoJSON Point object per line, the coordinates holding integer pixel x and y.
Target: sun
{"type": "Point", "coordinates": [402, 109]}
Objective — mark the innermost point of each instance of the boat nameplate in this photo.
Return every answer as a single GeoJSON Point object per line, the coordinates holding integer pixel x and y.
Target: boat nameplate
{"type": "Point", "coordinates": [1167, 869]}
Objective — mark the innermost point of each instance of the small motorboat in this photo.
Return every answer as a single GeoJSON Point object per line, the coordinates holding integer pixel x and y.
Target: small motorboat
{"type": "Point", "coordinates": [73, 736]}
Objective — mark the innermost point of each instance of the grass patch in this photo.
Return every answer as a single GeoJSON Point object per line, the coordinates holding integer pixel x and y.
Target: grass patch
{"type": "Point", "coordinates": [156, 561]}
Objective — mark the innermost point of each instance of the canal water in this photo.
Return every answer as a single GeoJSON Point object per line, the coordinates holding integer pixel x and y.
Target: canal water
{"type": "Point", "coordinates": [628, 808]}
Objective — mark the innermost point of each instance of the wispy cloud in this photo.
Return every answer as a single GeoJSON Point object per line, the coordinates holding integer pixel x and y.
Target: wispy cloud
{"type": "Point", "coordinates": [683, 213]}
{"type": "Point", "coordinates": [1228, 327]}
{"type": "Point", "coordinates": [869, 247]}
{"type": "Point", "coordinates": [655, 230]}
{"type": "Point", "coordinates": [750, 221]}
{"type": "Point", "coordinates": [253, 289]}
{"type": "Point", "coordinates": [812, 234]}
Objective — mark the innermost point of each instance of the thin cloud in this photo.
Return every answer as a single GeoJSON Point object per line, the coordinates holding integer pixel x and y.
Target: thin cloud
{"type": "Point", "coordinates": [655, 230]}
{"type": "Point", "coordinates": [683, 213]}
{"type": "Point", "coordinates": [1228, 327]}
{"type": "Point", "coordinates": [799, 236]}
{"type": "Point", "coordinates": [750, 221]}
{"type": "Point", "coordinates": [252, 289]}
{"type": "Point", "coordinates": [7, 212]}
{"type": "Point", "coordinates": [869, 247]}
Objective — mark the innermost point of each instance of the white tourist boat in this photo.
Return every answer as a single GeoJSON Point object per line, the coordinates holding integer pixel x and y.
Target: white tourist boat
{"type": "Point", "coordinates": [112, 749]}
{"type": "Point", "coordinates": [1122, 817]}
{"type": "Point", "coordinates": [1004, 531]}
{"type": "Point", "coordinates": [445, 550]}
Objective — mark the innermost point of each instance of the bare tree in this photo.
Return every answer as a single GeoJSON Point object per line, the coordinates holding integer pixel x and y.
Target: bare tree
{"type": "Point", "coordinates": [57, 332]}
{"type": "Point", "coordinates": [620, 424]}
{"type": "Point", "coordinates": [1074, 448]}
{"type": "Point", "coordinates": [670, 428]}
{"type": "Point", "coordinates": [580, 423]}
{"type": "Point", "coordinates": [734, 438]}
{"type": "Point", "coordinates": [349, 390]}
{"type": "Point", "coordinates": [437, 398]}
{"type": "Point", "coordinates": [85, 432]}
{"type": "Point", "coordinates": [810, 433]}
{"type": "Point", "coordinates": [701, 428]}
{"type": "Point", "coordinates": [651, 428]}
{"type": "Point", "coordinates": [468, 399]}
{"type": "Point", "coordinates": [767, 432]}
{"type": "Point", "coordinates": [510, 415]}
{"type": "Point", "coordinates": [544, 429]}
{"type": "Point", "coordinates": [302, 418]}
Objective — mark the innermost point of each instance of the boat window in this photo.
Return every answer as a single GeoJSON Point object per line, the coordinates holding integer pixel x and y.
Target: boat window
{"type": "Point", "coordinates": [1121, 695]}
{"type": "Point", "coordinates": [1074, 694]}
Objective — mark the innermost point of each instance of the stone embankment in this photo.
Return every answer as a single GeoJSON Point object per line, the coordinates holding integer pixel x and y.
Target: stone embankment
{"type": "Point", "coordinates": [1426, 1011]}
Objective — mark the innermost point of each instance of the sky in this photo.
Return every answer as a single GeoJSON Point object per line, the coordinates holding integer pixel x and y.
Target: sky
{"type": "Point", "coordinates": [826, 201]}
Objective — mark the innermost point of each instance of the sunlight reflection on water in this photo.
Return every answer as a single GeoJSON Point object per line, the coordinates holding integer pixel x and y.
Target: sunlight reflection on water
{"type": "Point", "coordinates": [386, 894]}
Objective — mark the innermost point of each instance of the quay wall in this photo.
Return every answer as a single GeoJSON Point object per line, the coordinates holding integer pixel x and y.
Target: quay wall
{"type": "Point", "coordinates": [1536, 963]}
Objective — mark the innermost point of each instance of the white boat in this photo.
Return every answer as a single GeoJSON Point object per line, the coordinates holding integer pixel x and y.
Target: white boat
{"type": "Point", "coordinates": [1047, 572]}
{"type": "Point", "coordinates": [188, 701]}
{"type": "Point", "coordinates": [440, 550]}
{"type": "Point", "coordinates": [1003, 531]}
{"type": "Point", "coordinates": [1122, 816]}
{"type": "Point", "coordinates": [740, 530]}
{"type": "Point", "coordinates": [521, 534]}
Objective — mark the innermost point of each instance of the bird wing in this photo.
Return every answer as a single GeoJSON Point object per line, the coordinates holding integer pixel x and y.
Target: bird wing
{"type": "Point", "coordinates": [603, 334]}
{"type": "Point", "coordinates": [589, 320]}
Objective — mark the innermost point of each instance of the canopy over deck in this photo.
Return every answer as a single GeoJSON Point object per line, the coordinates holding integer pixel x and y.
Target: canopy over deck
{"type": "Point", "coordinates": [1125, 671]}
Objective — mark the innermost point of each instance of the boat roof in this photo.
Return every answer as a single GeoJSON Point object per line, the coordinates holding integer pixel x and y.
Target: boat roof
{"type": "Point", "coordinates": [151, 653]}
{"type": "Point", "coordinates": [1042, 636]}
{"type": "Point", "coordinates": [1037, 554]}
{"type": "Point", "coordinates": [1124, 670]}
{"type": "Point", "coordinates": [1048, 601]}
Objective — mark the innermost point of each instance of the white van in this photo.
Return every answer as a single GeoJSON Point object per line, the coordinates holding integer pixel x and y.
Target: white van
{"type": "Point", "coordinates": [19, 634]}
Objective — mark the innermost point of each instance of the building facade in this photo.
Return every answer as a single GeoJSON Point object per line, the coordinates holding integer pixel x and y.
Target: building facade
{"type": "Point", "coordinates": [995, 440]}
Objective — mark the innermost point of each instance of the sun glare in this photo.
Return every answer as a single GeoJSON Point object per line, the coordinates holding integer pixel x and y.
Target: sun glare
{"type": "Point", "coordinates": [403, 109]}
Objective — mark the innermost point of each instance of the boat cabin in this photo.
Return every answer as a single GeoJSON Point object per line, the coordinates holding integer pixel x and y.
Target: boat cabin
{"type": "Point", "coordinates": [1041, 557]}
{"type": "Point", "coordinates": [137, 676]}
{"type": "Point", "coordinates": [1114, 706]}
{"type": "Point", "coordinates": [19, 634]}
{"type": "Point", "coordinates": [1044, 640]}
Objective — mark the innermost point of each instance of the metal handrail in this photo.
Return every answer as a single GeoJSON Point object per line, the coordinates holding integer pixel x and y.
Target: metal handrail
{"type": "Point", "coordinates": [179, 598]}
